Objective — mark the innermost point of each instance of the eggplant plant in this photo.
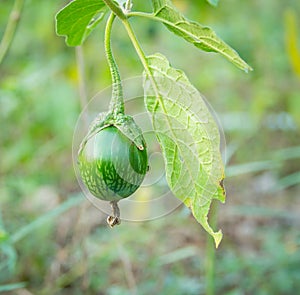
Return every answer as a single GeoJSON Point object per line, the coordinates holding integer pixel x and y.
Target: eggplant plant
{"type": "Point", "coordinates": [113, 155]}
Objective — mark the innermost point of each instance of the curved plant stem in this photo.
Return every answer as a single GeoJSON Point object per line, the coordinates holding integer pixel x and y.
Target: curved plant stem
{"type": "Point", "coordinates": [144, 62]}
{"type": "Point", "coordinates": [140, 53]}
{"type": "Point", "coordinates": [9, 32]}
{"type": "Point", "coordinates": [136, 45]}
{"type": "Point", "coordinates": [117, 103]}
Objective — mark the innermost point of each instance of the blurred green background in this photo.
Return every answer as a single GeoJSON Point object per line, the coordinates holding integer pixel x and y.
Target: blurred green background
{"type": "Point", "coordinates": [53, 241]}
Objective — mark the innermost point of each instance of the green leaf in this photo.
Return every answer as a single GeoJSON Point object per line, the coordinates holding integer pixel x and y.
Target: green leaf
{"type": "Point", "coordinates": [213, 2]}
{"type": "Point", "coordinates": [189, 138]}
{"type": "Point", "coordinates": [78, 19]}
{"type": "Point", "coordinates": [202, 37]}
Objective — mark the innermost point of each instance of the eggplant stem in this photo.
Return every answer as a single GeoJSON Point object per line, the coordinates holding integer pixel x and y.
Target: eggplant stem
{"type": "Point", "coordinates": [115, 218]}
{"type": "Point", "coordinates": [116, 106]}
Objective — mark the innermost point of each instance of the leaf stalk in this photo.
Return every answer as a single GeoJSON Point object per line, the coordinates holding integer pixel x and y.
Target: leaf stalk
{"type": "Point", "coordinates": [140, 54]}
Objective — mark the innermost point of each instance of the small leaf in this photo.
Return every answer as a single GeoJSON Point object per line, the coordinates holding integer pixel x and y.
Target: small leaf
{"type": "Point", "coordinates": [202, 37]}
{"type": "Point", "coordinates": [78, 19]}
{"type": "Point", "coordinates": [189, 138]}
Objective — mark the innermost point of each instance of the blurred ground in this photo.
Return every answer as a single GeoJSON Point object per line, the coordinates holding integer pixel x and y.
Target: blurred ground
{"type": "Point", "coordinates": [53, 241]}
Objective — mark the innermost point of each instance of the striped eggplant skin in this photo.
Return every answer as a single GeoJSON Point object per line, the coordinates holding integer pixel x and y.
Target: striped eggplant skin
{"type": "Point", "coordinates": [111, 165]}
